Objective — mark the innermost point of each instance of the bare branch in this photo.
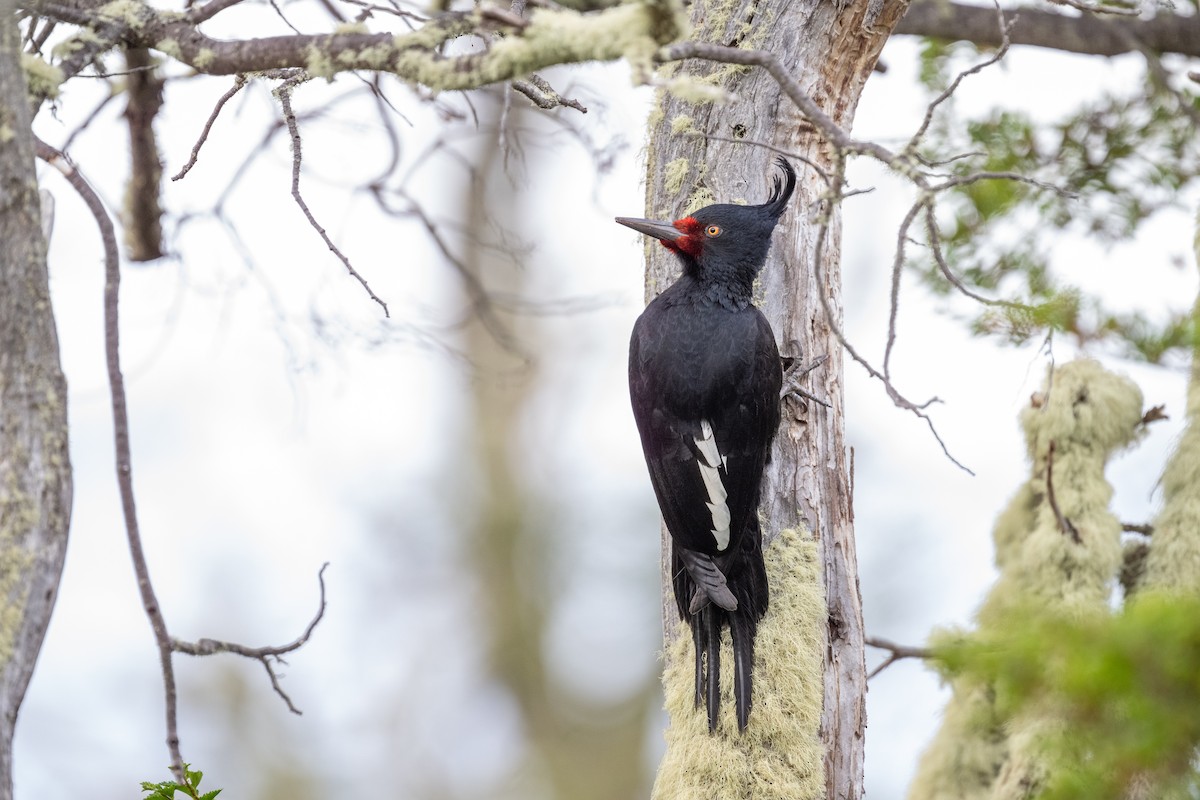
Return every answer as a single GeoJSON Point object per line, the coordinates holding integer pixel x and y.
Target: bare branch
{"type": "Point", "coordinates": [543, 94]}
{"type": "Point", "coordinates": [1155, 414]}
{"type": "Point", "coordinates": [89, 119]}
{"type": "Point", "coordinates": [1003, 27]}
{"type": "Point", "coordinates": [1119, 11]}
{"type": "Point", "coordinates": [268, 656]}
{"type": "Point", "coordinates": [120, 415]}
{"type": "Point", "coordinates": [143, 226]}
{"type": "Point", "coordinates": [1086, 33]}
{"type": "Point", "coordinates": [284, 93]}
{"type": "Point", "coordinates": [896, 652]}
{"type": "Point", "coordinates": [836, 329]}
{"type": "Point", "coordinates": [415, 56]}
{"type": "Point", "coordinates": [894, 297]}
{"type": "Point", "coordinates": [209, 10]}
{"type": "Point", "coordinates": [238, 84]}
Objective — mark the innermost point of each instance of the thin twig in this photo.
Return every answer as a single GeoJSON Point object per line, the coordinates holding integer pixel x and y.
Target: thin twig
{"type": "Point", "coordinates": [543, 95]}
{"type": "Point", "coordinates": [789, 154]}
{"type": "Point", "coordinates": [835, 328]}
{"type": "Point", "coordinates": [1065, 525]}
{"type": "Point", "coordinates": [896, 652]}
{"type": "Point", "coordinates": [1143, 529]}
{"type": "Point", "coordinates": [284, 93]}
{"type": "Point", "coordinates": [238, 83]}
{"type": "Point", "coordinates": [1119, 11]}
{"type": "Point", "coordinates": [1154, 414]}
{"type": "Point", "coordinates": [120, 415]}
{"type": "Point", "coordinates": [1005, 26]}
{"type": "Point", "coordinates": [267, 656]}
{"type": "Point", "coordinates": [396, 11]}
{"type": "Point", "coordinates": [88, 120]}
{"type": "Point", "coordinates": [894, 297]}
{"type": "Point", "coordinates": [209, 10]}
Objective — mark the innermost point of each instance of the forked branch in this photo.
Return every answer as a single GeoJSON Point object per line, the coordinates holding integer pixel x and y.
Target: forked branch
{"type": "Point", "coordinates": [165, 644]}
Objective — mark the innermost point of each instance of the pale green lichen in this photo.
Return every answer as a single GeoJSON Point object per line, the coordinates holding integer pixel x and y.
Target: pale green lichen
{"type": "Point", "coordinates": [632, 30]}
{"type": "Point", "coordinates": [682, 124]}
{"type": "Point", "coordinates": [43, 79]}
{"type": "Point", "coordinates": [129, 12]}
{"type": "Point", "coordinates": [7, 134]}
{"type": "Point", "coordinates": [74, 43]}
{"type": "Point", "coordinates": [696, 90]}
{"type": "Point", "coordinates": [780, 755]}
{"type": "Point", "coordinates": [350, 27]}
{"type": "Point", "coordinates": [204, 58]}
{"type": "Point", "coordinates": [1084, 413]}
{"type": "Point", "coordinates": [378, 57]}
{"type": "Point", "coordinates": [169, 47]}
{"type": "Point", "coordinates": [674, 175]}
{"type": "Point", "coordinates": [970, 747]}
{"type": "Point", "coordinates": [1173, 561]}
{"type": "Point", "coordinates": [701, 197]}
{"type": "Point", "coordinates": [318, 63]}
{"type": "Point", "coordinates": [1082, 416]}
{"type": "Point", "coordinates": [758, 292]}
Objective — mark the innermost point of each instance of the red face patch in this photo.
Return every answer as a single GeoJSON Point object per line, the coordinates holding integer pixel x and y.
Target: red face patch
{"type": "Point", "coordinates": [692, 240]}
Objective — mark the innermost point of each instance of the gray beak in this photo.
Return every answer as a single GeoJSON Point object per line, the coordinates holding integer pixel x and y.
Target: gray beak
{"type": "Point", "coordinates": [652, 227]}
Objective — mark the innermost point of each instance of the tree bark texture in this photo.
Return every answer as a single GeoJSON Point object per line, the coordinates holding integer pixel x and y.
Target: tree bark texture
{"type": "Point", "coordinates": [831, 49]}
{"type": "Point", "coordinates": [35, 469]}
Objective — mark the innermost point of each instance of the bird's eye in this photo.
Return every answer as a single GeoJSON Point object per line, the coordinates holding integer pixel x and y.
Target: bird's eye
{"type": "Point", "coordinates": [713, 230]}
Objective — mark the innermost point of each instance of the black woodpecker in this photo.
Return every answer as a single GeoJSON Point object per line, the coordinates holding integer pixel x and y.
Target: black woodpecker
{"type": "Point", "coordinates": [704, 378]}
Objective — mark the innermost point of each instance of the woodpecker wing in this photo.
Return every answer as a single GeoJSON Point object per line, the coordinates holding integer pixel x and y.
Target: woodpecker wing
{"type": "Point", "coordinates": [705, 392]}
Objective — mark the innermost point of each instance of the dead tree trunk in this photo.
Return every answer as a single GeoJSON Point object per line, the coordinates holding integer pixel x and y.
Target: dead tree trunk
{"type": "Point", "coordinates": [35, 470]}
{"type": "Point", "coordinates": [702, 152]}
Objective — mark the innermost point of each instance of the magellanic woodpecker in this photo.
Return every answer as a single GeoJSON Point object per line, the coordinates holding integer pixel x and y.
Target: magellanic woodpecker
{"type": "Point", "coordinates": [704, 379]}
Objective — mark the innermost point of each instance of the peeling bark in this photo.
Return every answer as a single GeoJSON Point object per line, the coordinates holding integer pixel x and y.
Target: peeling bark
{"type": "Point", "coordinates": [35, 470]}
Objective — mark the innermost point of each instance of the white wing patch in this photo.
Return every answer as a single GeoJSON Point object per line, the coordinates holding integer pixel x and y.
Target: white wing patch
{"type": "Point", "coordinates": [710, 459]}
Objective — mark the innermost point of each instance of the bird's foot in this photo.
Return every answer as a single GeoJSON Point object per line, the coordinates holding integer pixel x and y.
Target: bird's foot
{"type": "Point", "coordinates": [793, 371]}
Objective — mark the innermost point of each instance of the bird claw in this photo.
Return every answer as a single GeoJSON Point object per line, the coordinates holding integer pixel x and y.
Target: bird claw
{"type": "Point", "coordinates": [792, 374]}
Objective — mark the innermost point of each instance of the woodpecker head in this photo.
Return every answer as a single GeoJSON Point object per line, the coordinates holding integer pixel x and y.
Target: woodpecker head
{"type": "Point", "coordinates": [723, 244]}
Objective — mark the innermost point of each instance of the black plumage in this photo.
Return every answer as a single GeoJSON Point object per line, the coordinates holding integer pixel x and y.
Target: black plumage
{"type": "Point", "coordinates": [704, 379]}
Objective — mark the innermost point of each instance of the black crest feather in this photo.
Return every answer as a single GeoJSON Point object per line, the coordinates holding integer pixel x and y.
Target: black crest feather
{"type": "Point", "coordinates": [781, 190]}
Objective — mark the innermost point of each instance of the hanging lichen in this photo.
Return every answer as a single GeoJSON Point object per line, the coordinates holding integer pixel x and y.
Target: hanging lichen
{"type": "Point", "coordinates": [1058, 549]}
{"type": "Point", "coordinates": [1172, 562]}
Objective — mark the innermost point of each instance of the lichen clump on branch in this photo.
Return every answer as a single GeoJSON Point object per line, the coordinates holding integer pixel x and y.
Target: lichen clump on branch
{"type": "Point", "coordinates": [633, 31]}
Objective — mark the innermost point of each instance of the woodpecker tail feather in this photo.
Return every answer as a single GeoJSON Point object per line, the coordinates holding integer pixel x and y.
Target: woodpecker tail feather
{"type": "Point", "coordinates": [711, 616]}
{"type": "Point", "coordinates": [742, 630]}
{"type": "Point", "coordinates": [745, 579]}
